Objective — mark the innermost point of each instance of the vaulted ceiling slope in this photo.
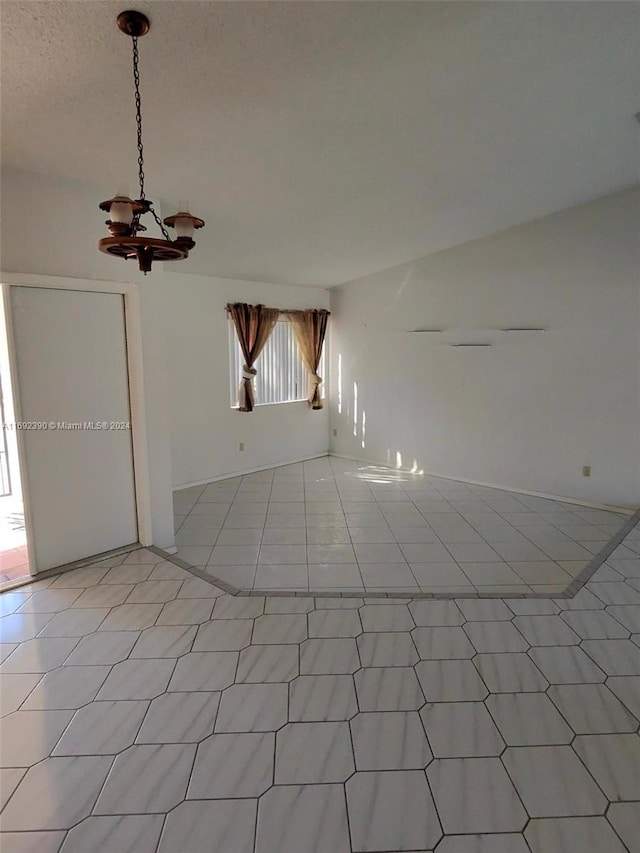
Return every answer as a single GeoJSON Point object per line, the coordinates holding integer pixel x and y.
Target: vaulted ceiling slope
{"type": "Point", "coordinates": [322, 141]}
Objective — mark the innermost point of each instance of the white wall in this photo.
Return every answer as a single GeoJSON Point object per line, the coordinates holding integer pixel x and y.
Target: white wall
{"type": "Point", "coordinates": [530, 411]}
{"type": "Point", "coordinates": [52, 227]}
{"type": "Point", "coordinates": [527, 413]}
{"type": "Point", "coordinates": [205, 431]}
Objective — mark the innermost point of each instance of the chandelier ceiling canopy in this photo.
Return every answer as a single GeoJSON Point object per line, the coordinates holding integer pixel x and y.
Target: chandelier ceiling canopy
{"type": "Point", "coordinates": [124, 213]}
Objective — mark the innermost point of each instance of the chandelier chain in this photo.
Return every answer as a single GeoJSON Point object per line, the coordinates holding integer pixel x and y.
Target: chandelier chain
{"type": "Point", "coordinates": [136, 83]}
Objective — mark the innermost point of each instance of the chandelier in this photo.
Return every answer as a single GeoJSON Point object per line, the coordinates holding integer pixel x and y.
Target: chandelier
{"type": "Point", "coordinates": [124, 213]}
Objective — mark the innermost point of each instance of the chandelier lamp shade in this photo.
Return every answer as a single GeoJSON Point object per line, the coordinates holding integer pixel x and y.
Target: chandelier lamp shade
{"type": "Point", "coordinates": [124, 213]}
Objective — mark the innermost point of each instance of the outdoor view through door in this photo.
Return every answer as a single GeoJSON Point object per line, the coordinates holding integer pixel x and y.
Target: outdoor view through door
{"type": "Point", "coordinates": [14, 558]}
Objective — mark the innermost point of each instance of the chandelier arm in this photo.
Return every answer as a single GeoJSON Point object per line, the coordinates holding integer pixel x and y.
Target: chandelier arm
{"type": "Point", "coordinates": [165, 233]}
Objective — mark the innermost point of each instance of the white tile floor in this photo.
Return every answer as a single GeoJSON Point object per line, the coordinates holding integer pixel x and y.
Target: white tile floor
{"type": "Point", "coordinates": [145, 710]}
{"type": "Point", "coordinates": [331, 525]}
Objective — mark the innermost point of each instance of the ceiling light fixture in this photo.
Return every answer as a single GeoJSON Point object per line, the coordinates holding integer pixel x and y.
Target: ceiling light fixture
{"type": "Point", "coordinates": [124, 213]}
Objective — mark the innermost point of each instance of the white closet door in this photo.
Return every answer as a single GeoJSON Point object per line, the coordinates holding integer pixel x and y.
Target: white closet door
{"type": "Point", "coordinates": [71, 364]}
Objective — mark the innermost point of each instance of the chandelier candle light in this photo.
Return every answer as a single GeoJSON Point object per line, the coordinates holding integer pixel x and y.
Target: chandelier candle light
{"type": "Point", "coordinates": [124, 213]}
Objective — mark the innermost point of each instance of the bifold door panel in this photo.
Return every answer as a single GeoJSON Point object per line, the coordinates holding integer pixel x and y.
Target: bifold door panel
{"type": "Point", "coordinates": [71, 365]}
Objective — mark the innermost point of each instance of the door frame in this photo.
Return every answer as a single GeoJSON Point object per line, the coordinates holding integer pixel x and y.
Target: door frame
{"type": "Point", "coordinates": [133, 341]}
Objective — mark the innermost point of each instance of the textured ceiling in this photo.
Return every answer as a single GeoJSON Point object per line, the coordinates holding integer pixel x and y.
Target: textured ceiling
{"type": "Point", "coordinates": [322, 141]}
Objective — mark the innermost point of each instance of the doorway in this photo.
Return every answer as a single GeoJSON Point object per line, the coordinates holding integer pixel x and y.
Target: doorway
{"type": "Point", "coordinates": [70, 365]}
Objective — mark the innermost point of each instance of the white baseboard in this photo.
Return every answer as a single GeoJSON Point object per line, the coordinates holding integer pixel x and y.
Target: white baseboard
{"type": "Point", "coordinates": [249, 471]}
{"type": "Point", "coordinates": [503, 488]}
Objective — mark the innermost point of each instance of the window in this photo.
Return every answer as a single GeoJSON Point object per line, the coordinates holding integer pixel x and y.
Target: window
{"type": "Point", "coordinates": [282, 375]}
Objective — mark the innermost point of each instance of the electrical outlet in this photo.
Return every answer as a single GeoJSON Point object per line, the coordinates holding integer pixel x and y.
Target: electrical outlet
{"type": "Point", "coordinates": [586, 470]}
{"type": "Point", "coordinates": [241, 445]}
{"type": "Point", "coordinates": [335, 433]}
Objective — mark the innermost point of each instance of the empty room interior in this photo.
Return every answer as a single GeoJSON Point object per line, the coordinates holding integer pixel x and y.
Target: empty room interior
{"type": "Point", "coordinates": [289, 561]}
